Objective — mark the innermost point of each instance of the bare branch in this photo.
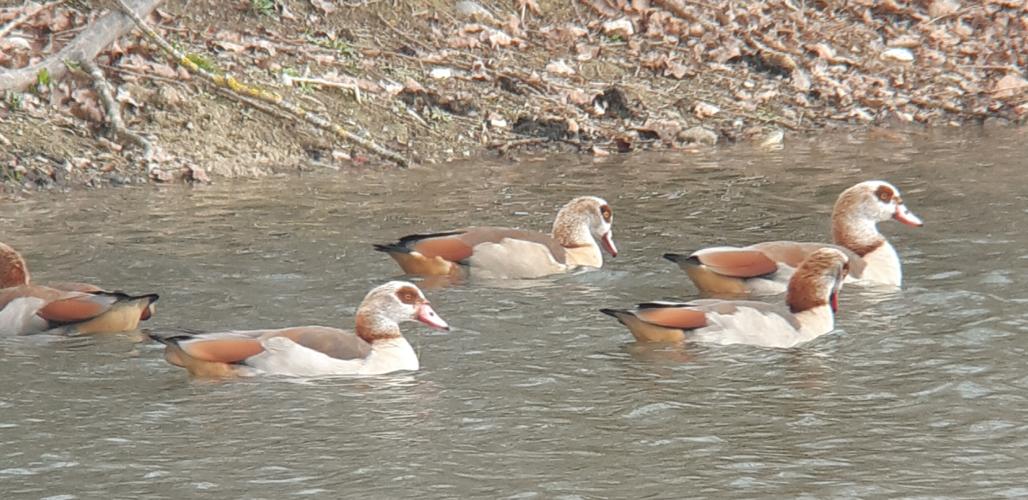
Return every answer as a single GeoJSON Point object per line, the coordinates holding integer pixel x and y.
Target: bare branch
{"type": "Point", "coordinates": [83, 47]}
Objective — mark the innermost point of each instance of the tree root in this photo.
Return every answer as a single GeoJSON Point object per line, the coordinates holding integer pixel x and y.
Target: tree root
{"type": "Point", "coordinates": [236, 87]}
{"type": "Point", "coordinates": [113, 110]}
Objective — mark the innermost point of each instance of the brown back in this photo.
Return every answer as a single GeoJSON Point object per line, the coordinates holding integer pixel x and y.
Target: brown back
{"type": "Point", "coordinates": [339, 344]}
{"type": "Point", "coordinates": [793, 253]}
{"type": "Point", "coordinates": [460, 246]}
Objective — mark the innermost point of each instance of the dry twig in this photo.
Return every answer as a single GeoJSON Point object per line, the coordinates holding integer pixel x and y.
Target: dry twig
{"type": "Point", "coordinates": [113, 110]}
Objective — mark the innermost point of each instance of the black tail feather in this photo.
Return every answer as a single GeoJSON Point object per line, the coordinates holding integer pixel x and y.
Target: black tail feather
{"type": "Point", "coordinates": [659, 305]}
{"type": "Point", "coordinates": [174, 338]}
{"type": "Point", "coordinates": [403, 245]}
{"type": "Point", "coordinates": [390, 248]}
{"type": "Point", "coordinates": [151, 297]}
{"type": "Point", "coordinates": [681, 258]}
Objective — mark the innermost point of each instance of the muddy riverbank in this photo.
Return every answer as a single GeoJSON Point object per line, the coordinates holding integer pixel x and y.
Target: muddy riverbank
{"type": "Point", "coordinates": [439, 81]}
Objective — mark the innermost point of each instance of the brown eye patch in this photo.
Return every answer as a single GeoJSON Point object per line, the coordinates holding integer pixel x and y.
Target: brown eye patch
{"type": "Point", "coordinates": [606, 213]}
{"type": "Point", "coordinates": [885, 193]}
{"type": "Point", "coordinates": [407, 295]}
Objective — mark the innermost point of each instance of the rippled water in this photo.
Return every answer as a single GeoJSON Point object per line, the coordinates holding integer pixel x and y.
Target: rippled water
{"type": "Point", "coordinates": [534, 393]}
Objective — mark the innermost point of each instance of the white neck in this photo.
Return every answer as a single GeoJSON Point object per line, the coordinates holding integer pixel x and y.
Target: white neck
{"type": "Point", "coordinates": [815, 322]}
{"type": "Point", "coordinates": [390, 355]}
{"type": "Point", "coordinates": [883, 266]}
{"type": "Point", "coordinates": [587, 255]}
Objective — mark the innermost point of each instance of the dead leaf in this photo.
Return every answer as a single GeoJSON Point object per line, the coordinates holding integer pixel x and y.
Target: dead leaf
{"type": "Point", "coordinates": [463, 42]}
{"type": "Point", "coordinates": [161, 175]}
{"type": "Point", "coordinates": [579, 98]}
{"type": "Point", "coordinates": [654, 60]}
{"type": "Point", "coordinates": [800, 80]}
{"type": "Point", "coordinates": [906, 42]}
{"type": "Point", "coordinates": [500, 39]}
{"type": "Point", "coordinates": [229, 46]}
{"type": "Point", "coordinates": [413, 86]}
{"type": "Point", "coordinates": [559, 67]}
{"type": "Point", "coordinates": [586, 52]}
{"type": "Point", "coordinates": [705, 110]}
{"type": "Point", "coordinates": [665, 130]}
{"type": "Point", "coordinates": [194, 174]}
{"type": "Point", "coordinates": [324, 6]}
{"type": "Point", "coordinates": [942, 8]}
{"type": "Point", "coordinates": [85, 106]}
{"type": "Point", "coordinates": [529, 5]}
{"type": "Point", "coordinates": [473, 10]}
{"type": "Point", "coordinates": [676, 70]}
{"type": "Point", "coordinates": [1009, 86]}
{"type": "Point", "coordinates": [823, 50]}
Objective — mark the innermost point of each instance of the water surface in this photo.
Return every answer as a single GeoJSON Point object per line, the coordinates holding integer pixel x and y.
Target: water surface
{"type": "Point", "coordinates": [534, 393]}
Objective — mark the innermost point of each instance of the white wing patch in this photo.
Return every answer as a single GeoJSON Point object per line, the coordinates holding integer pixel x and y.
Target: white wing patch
{"type": "Point", "coordinates": [748, 326]}
{"type": "Point", "coordinates": [284, 357]}
{"type": "Point", "coordinates": [513, 258]}
{"type": "Point", "coordinates": [19, 317]}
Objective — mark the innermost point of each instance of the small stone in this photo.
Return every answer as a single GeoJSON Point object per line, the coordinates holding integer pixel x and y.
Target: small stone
{"type": "Point", "coordinates": [497, 121]}
{"type": "Point", "coordinates": [473, 10]}
{"type": "Point", "coordinates": [619, 27]}
{"type": "Point", "coordinates": [441, 73]}
{"type": "Point", "coordinates": [899, 54]}
{"type": "Point", "coordinates": [774, 140]}
{"type": "Point", "coordinates": [698, 135]}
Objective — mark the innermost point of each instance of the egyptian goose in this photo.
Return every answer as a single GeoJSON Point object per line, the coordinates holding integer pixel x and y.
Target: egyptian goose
{"type": "Point", "coordinates": [765, 268]}
{"type": "Point", "coordinates": [69, 308]}
{"type": "Point", "coordinates": [500, 252]}
{"type": "Point", "coordinates": [375, 347]}
{"type": "Point", "coordinates": [812, 299]}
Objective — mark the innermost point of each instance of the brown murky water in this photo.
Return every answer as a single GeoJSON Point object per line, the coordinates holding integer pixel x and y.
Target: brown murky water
{"type": "Point", "coordinates": [534, 393]}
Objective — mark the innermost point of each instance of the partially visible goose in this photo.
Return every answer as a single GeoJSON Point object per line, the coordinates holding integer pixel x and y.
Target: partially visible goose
{"type": "Point", "coordinates": [71, 308]}
{"type": "Point", "coordinates": [811, 302]}
{"type": "Point", "coordinates": [765, 268]}
{"type": "Point", "coordinates": [501, 252]}
{"type": "Point", "coordinates": [374, 347]}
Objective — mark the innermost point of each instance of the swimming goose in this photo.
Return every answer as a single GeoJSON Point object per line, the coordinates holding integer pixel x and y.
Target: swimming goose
{"type": "Point", "coordinates": [374, 347]}
{"type": "Point", "coordinates": [70, 308]}
{"type": "Point", "coordinates": [500, 252]}
{"type": "Point", "coordinates": [811, 301]}
{"type": "Point", "coordinates": [765, 268]}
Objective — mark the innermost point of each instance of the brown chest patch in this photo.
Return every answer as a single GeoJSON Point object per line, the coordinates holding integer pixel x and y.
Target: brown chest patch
{"type": "Point", "coordinates": [13, 271]}
{"type": "Point", "coordinates": [864, 249]}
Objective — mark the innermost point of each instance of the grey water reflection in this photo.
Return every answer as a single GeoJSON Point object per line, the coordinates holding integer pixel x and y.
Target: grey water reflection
{"type": "Point", "coordinates": [534, 394]}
